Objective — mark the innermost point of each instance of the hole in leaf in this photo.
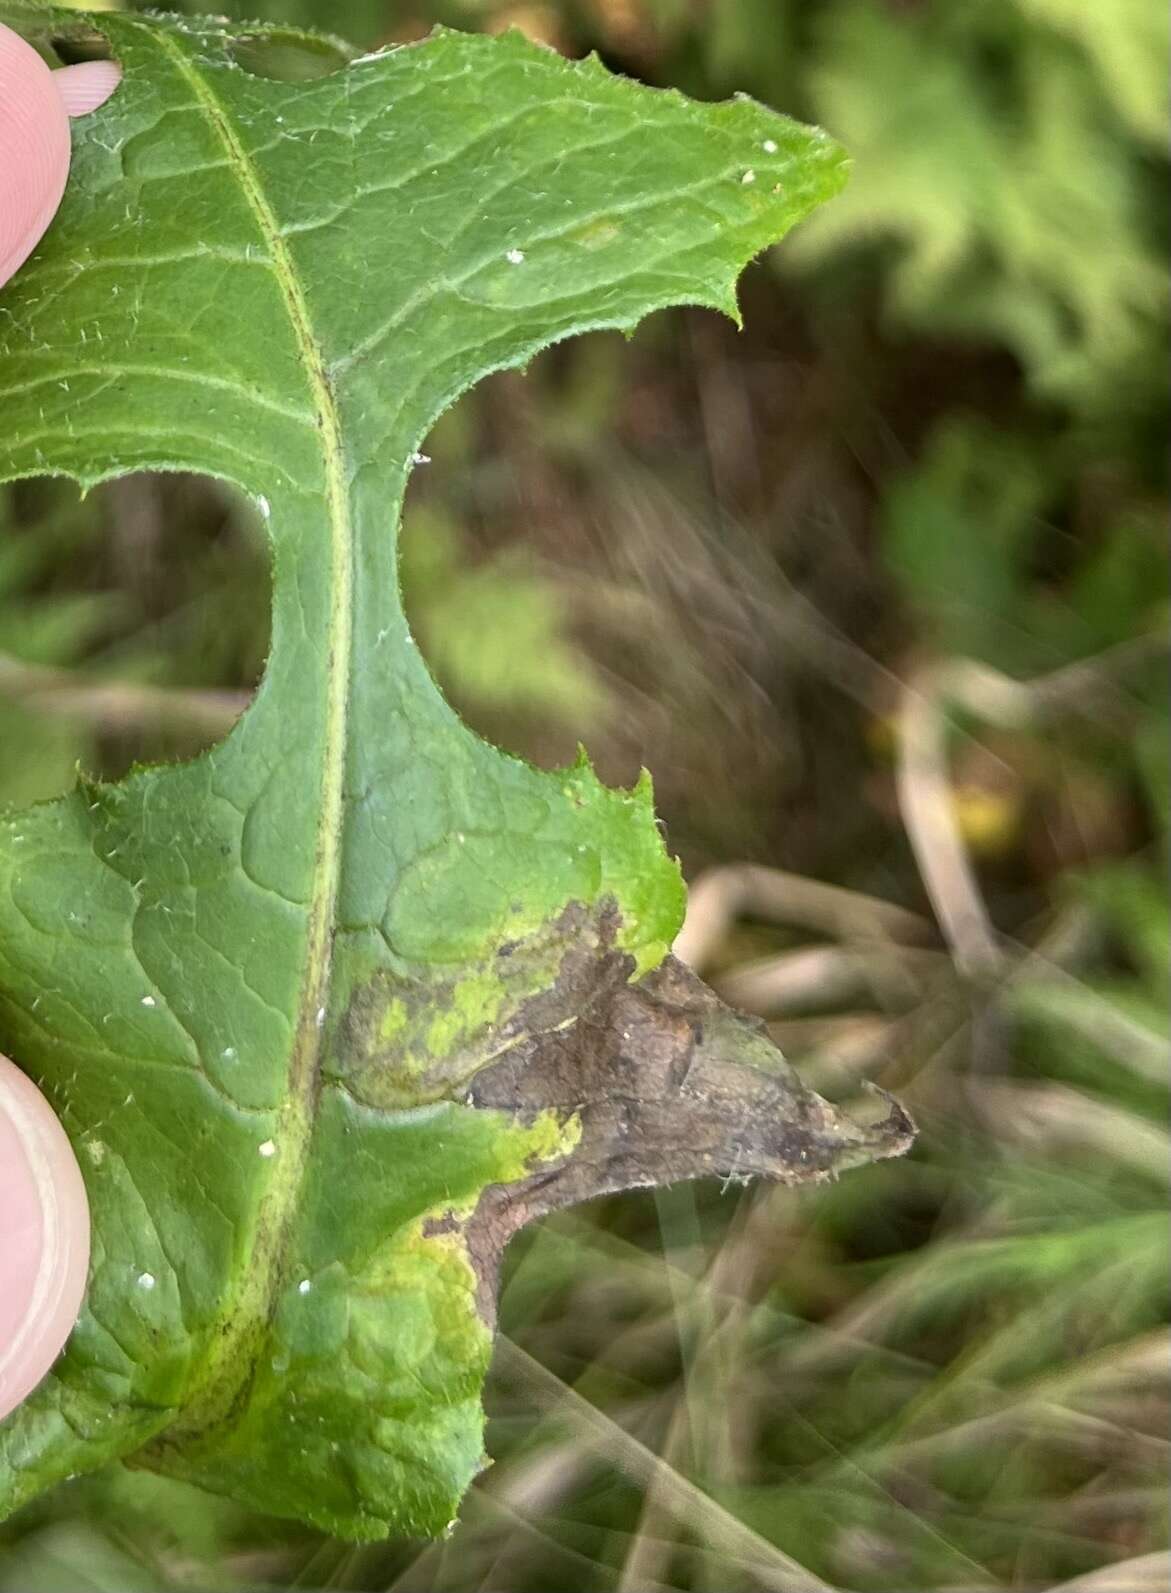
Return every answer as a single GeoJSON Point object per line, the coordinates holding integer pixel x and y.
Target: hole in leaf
{"type": "Point", "coordinates": [490, 582]}
{"type": "Point", "coordinates": [81, 43]}
{"type": "Point", "coordinates": [289, 57]}
{"type": "Point", "coordinates": [134, 625]}
{"type": "Point", "coordinates": [628, 476]}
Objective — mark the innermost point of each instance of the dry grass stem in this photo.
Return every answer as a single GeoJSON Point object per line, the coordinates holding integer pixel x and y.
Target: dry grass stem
{"type": "Point", "coordinates": [120, 705]}
{"type": "Point", "coordinates": [721, 896]}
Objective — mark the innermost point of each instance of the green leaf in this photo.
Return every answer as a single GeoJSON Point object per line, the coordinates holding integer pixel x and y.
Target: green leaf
{"type": "Point", "coordinates": [330, 1010]}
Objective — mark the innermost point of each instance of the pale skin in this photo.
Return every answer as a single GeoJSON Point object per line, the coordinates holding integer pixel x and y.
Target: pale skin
{"type": "Point", "coordinates": [44, 1216]}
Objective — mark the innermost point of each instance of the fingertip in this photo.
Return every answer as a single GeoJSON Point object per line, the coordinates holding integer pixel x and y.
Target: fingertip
{"type": "Point", "coordinates": [86, 85]}
{"type": "Point", "coordinates": [34, 139]}
{"type": "Point", "coordinates": [44, 1236]}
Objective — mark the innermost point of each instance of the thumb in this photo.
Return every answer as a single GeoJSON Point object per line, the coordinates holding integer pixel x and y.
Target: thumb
{"type": "Point", "coordinates": [44, 1236]}
{"type": "Point", "coordinates": [35, 106]}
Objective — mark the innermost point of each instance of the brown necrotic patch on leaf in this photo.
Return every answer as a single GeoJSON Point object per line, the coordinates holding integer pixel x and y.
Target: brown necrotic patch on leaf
{"type": "Point", "coordinates": [406, 1041]}
{"type": "Point", "coordinates": [667, 1083]}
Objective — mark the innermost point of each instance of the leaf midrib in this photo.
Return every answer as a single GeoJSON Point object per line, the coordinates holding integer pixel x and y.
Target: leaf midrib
{"type": "Point", "coordinates": [233, 1340]}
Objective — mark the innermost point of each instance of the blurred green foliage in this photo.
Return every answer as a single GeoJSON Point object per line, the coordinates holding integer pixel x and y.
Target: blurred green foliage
{"type": "Point", "coordinates": [942, 436]}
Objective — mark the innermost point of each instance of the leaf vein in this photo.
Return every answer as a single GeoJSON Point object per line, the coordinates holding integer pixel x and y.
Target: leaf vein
{"type": "Point", "coordinates": [227, 1365]}
{"type": "Point", "coordinates": [430, 291]}
{"type": "Point", "coordinates": [115, 373]}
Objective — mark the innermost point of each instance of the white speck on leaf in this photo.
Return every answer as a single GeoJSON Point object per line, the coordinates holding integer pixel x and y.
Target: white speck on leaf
{"type": "Point", "coordinates": [420, 459]}
{"type": "Point", "coordinates": [146, 1280]}
{"type": "Point", "coordinates": [748, 177]}
{"type": "Point", "coordinates": [320, 1017]}
{"type": "Point", "coordinates": [264, 506]}
{"type": "Point", "coordinates": [515, 256]}
{"type": "Point", "coordinates": [149, 1001]}
{"type": "Point", "coordinates": [267, 1148]}
{"type": "Point", "coordinates": [229, 1053]}
{"type": "Point", "coordinates": [304, 1286]}
{"type": "Point", "coordinates": [769, 146]}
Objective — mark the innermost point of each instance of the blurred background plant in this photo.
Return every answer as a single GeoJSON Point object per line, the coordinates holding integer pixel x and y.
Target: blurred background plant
{"type": "Point", "coordinates": [878, 591]}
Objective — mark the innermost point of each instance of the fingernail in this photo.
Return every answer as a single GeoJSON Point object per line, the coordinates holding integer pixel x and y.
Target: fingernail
{"type": "Point", "coordinates": [44, 1236]}
{"type": "Point", "coordinates": [87, 85]}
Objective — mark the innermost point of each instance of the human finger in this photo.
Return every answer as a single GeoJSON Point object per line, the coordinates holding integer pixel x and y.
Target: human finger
{"type": "Point", "coordinates": [35, 106]}
{"type": "Point", "coordinates": [44, 1236]}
